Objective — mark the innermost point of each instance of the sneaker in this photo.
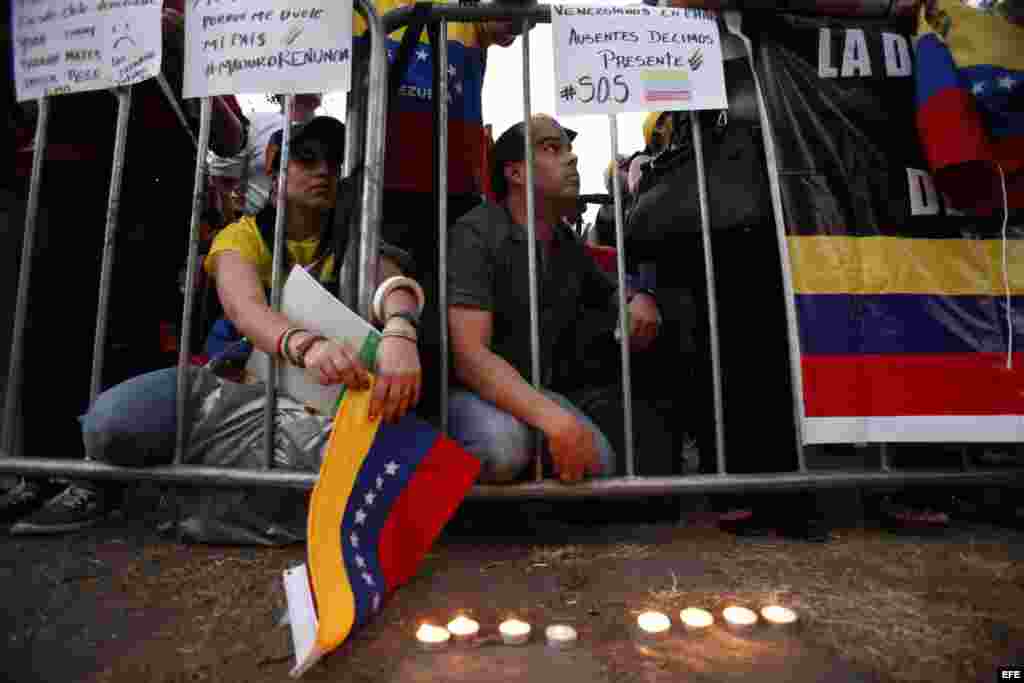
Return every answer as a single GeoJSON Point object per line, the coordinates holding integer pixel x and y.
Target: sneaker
{"type": "Point", "coordinates": [76, 507]}
{"type": "Point", "coordinates": [21, 499]}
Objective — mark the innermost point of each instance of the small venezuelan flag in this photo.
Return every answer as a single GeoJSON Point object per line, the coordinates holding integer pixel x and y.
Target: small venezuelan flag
{"type": "Point", "coordinates": [970, 103]}
{"type": "Point", "coordinates": [665, 85]}
{"type": "Point", "coordinates": [385, 492]}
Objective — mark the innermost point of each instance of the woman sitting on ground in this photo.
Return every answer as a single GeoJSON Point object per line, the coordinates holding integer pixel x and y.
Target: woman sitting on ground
{"type": "Point", "coordinates": [134, 423]}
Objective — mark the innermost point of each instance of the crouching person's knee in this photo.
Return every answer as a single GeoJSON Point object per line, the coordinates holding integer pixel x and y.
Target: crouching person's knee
{"type": "Point", "coordinates": [133, 424]}
{"type": "Point", "coordinates": [499, 441]}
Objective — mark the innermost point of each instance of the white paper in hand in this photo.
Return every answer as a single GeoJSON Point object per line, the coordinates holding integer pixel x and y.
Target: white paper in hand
{"type": "Point", "coordinates": [307, 304]}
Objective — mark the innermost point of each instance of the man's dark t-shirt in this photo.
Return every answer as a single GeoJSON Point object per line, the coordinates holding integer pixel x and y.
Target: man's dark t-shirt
{"type": "Point", "coordinates": [488, 268]}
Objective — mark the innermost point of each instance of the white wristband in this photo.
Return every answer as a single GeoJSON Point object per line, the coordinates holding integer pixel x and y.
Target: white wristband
{"type": "Point", "coordinates": [388, 286]}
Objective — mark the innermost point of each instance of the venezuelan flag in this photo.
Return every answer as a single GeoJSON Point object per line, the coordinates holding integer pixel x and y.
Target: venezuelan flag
{"type": "Point", "coordinates": [902, 320]}
{"type": "Point", "coordinates": [665, 85]}
{"type": "Point", "coordinates": [385, 492]}
{"type": "Point", "coordinates": [904, 338]}
{"type": "Point", "coordinates": [970, 103]}
{"type": "Point", "coordinates": [410, 166]}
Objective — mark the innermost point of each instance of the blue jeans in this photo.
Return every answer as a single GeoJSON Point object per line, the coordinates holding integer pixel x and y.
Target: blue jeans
{"type": "Point", "coordinates": [133, 424]}
{"type": "Point", "coordinates": [504, 444]}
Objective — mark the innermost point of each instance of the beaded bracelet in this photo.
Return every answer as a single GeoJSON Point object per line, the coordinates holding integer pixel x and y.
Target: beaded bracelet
{"type": "Point", "coordinates": [286, 339]}
{"type": "Point", "coordinates": [400, 334]}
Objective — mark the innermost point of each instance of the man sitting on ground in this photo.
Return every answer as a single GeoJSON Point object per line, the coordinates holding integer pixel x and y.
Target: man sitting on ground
{"type": "Point", "coordinates": [491, 413]}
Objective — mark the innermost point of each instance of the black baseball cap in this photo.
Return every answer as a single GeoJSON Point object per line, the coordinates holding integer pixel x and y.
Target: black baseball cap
{"type": "Point", "coordinates": [511, 146]}
{"type": "Point", "coordinates": [325, 128]}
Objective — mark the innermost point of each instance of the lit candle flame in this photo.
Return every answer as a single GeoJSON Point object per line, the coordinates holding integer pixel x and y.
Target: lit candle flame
{"type": "Point", "coordinates": [514, 631]}
{"type": "Point", "coordinates": [463, 627]}
{"type": "Point", "coordinates": [428, 634]}
{"type": "Point", "coordinates": [776, 614]}
{"type": "Point", "coordinates": [694, 617]}
{"type": "Point", "coordinates": [653, 622]}
{"type": "Point", "coordinates": [739, 616]}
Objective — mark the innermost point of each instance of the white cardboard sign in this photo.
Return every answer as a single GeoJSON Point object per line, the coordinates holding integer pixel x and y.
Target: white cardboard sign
{"type": "Point", "coordinates": [261, 46]}
{"type": "Point", "coordinates": [637, 58]}
{"type": "Point", "coordinates": [67, 46]}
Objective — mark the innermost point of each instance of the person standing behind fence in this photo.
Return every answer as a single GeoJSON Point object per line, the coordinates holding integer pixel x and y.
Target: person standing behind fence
{"type": "Point", "coordinates": [250, 166]}
{"type": "Point", "coordinates": [134, 423]}
{"type": "Point", "coordinates": [409, 218]}
{"type": "Point", "coordinates": [489, 315]}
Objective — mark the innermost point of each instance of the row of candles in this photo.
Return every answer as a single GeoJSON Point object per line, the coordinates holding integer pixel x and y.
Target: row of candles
{"type": "Point", "coordinates": [649, 624]}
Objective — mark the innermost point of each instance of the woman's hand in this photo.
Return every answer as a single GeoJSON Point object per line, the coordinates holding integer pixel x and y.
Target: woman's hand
{"type": "Point", "coordinates": [329, 362]}
{"type": "Point", "coordinates": [399, 375]}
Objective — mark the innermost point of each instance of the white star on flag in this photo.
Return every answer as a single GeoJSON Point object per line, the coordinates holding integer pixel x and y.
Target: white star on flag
{"type": "Point", "coordinates": [391, 55]}
{"type": "Point", "coordinates": [451, 70]}
{"type": "Point", "coordinates": [978, 88]}
{"type": "Point", "coordinates": [391, 468]}
{"type": "Point", "coordinates": [380, 483]}
{"type": "Point", "coordinates": [354, 538]}
{"type": "Point", "coordinates": [451, 98]}
{"type": "Point", "coordinates": [1007, 82]}
{"type": "Point", "coordinates": [458, 88]}
{"type": "Point", "coordinates": [360, 516]}
{"type": "Point", "coordinates": [360, 562]}
{"type": "Point", "coordinates": [368, 579]}
{"type": "Point", "coordinates": [422, 55]}
{"type": "Point", "coordinates": [370, 497]}
{"type": "Point", "coordinates": [376, 601]}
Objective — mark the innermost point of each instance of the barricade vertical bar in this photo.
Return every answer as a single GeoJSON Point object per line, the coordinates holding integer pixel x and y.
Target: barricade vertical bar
{"type": "Point", "coordinates": [172, 101]}
{"type": "Point", "coordinates": [709, 274]}
{"type": "Point", "coordinates": [124, 106]}
{"type": "Point", "coordinates": [355, 121]}
{"type": "Point", "coordinates": [965, 459]}
{"type": "Point", "coordinates": [620, 262]}
{"type": "Point", "coordinates": [280, 227]}
{"type": "Point", "coordinates": [373, 177]}
{"type": "Point", "coordinates": [441, 107]}
{"type": "Point", "coordinates": [14, 371]}
{"type": "Point", "coordinates": [733, 21]}
{"type": "Point", "coordinates": [198, 194]}
{"type": "Point", "coordinates": [883, 457]}
{"type": "Point", "coordinates": [531, 232]}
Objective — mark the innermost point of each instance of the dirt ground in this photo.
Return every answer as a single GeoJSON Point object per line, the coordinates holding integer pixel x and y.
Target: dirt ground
{"type": "Point", "coordinates": [121, 603]}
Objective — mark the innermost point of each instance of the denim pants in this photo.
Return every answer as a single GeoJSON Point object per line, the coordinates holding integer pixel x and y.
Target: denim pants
{"type": "Point", "coordinates": [134, 423]}
{"type": "Point", "coordinates": [505, 445]}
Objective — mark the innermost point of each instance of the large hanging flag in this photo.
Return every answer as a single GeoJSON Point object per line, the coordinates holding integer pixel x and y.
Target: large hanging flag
{"type": "Point", "coordinates": [901, 302]}
{"type": "Point", "coordinates": [385, 492]}
{"type": "Point", "coordinates": [970, 103]}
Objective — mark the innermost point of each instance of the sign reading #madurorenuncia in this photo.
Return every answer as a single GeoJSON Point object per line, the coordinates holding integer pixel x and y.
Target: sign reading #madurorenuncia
{"type": "Point", "coordinates": [68, 46]}
{"type": "Point", "coordinates": [636, 58]}
{"type": "Point", "coordinates": [258, 46]}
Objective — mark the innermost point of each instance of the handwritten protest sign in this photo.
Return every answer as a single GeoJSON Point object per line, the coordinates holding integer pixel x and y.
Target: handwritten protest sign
{"type": "Point", "coordinates": [259, 46]}
{"type": "Point", "coordinates": [66, 46]}
{"type": "Point", "coordinates": [637, 58]}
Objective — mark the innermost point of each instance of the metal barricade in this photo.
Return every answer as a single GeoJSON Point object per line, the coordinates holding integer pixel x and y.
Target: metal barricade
{"type": "Point", "coordinates": [366, 132]}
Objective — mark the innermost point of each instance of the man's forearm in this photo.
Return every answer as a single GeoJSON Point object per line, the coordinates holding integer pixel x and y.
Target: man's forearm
{"type": "Point", "coordinates": [494, 379]}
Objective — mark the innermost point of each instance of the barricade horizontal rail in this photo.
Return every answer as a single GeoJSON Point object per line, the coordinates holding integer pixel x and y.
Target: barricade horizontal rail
{"type": "Point", "coordinates": [622, 487]}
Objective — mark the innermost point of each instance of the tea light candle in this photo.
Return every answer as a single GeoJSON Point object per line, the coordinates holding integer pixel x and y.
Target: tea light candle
{"type": "Point", "coordinates": [696, 620]}
{"type": "Point", "coordinates": [776, 615]}
{"type": "Point", "coordinates": [514, 632]}
{"type": "Point", "coordinates": [653, 624]}
{"type": "Point", "coordinates": [560, 636]}
{"type": "Point", "coordinates": [739, 619]}
{"type": "Point", "coordinates": [432, 637]}
{"type": "Point", "coordinates": [463, 628]}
